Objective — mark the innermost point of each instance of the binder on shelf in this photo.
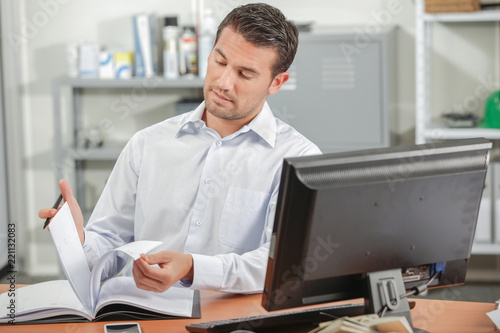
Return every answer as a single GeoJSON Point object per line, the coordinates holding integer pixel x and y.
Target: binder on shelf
{"type": "Point", "coordinates": [145, 45]}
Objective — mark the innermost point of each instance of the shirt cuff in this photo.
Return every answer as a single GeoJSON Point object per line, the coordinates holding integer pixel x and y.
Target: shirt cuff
{"type": "Point", "coordinates": [208, 272]}
{"type": "Point", "coordinates": [186, 283]}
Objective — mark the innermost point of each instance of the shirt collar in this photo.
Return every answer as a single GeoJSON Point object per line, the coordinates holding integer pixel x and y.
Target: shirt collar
{"type": "Point", "coordinates": [264, 124]}
{"type": "Point", "coordinates": [191, 118]}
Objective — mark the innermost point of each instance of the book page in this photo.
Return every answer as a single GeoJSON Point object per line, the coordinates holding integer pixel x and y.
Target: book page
{"type": "Point", "coordinates": [65, 236]}
{"type": "Point", "coordinates": [133, 249]}
{"type": "Point", "coordinates": [175, 301]}
{"type": "Point", "coordinates": [43, 300]}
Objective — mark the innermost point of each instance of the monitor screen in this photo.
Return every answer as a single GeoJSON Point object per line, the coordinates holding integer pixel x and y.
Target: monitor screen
{"type": "Point", "coordinates": [341, 217]}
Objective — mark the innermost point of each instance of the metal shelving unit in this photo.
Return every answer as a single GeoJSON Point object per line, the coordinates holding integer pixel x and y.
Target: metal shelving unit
{"type": "Point", "coordinates": [428, 129]}
{"type": "Point", "coordinates": [109, 151]}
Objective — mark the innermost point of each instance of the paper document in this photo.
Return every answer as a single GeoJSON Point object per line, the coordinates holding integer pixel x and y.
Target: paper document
{"type": "Point", "coordinates": [65, 236]}
{"type": "Point", "coordinates": [86, 284]}
{"type": "Point", "coordinates": [133, 250]}
{"type": "Point", "coordinates": [495, 317]}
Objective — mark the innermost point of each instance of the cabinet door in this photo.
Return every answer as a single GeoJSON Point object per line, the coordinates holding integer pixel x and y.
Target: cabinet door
{"type": "Point", "coordinates": [334, 96]}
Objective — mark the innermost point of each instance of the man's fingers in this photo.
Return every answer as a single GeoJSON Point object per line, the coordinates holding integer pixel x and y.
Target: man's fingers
{"type": "Point", "coordinates": [46, 213]}
{"type": "Point", "coordinates": [143, 280]}
{"type": "Point", "coordinates": [148, 271]}
{"type": "Point", "coordinates": [66, 191]}
{"type": "Point", "coordinates": [156, 258]}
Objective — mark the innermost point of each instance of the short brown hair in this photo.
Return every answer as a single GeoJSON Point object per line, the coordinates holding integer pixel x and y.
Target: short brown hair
{"type": "Point", "coordinates": [265, 26]}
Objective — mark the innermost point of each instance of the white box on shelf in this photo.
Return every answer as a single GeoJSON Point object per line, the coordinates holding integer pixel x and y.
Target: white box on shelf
{"type": "Point", "coordinates": [88, 64]}
{"type": "Point", "coordinates": [106, 65]}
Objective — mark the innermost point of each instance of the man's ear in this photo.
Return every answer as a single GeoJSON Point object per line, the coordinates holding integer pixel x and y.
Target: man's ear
{"type": "Point", "coordinates": [278, 82]}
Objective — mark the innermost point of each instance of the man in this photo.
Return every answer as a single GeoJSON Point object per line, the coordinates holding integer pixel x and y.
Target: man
{"type": "Point", "coordinates": [206, 183]}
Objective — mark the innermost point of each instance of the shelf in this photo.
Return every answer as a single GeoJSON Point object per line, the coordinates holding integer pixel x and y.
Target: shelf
{"type": "Point", "coordinates": [135, 82]}
{"type": "Point", "coordinates": [462, 133]}
{"type": "Point", "coordinates": [428, 129]}
{"type": "Point", "coordinates": [438, 131]}
{"type": "Point", "coordinates": [482, 275]}
{"type": "Point", "coordinates": [109, 152]}
{"type": "Point", "coordinates": [479, 16]}
{"type": "Point", "coordinates": [486, 249]}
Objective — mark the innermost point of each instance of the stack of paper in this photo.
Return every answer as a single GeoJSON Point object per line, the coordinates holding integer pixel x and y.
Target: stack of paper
{"type": "Point", "coordinates": [365, 324]}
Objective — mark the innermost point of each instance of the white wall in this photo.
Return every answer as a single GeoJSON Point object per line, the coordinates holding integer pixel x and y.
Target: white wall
{"type": "Point", "coordinates": [464, 56]}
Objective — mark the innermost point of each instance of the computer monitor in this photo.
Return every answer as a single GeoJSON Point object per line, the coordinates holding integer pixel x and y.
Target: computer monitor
{"type": "Point", "coordinates": [343, 218]}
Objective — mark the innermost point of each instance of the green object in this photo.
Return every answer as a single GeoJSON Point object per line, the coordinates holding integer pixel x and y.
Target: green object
{"type": "Point", "coordinates": [492, 111]}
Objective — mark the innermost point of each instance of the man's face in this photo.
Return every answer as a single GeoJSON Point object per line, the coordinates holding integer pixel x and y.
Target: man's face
{"type": "Point", "coordinates": [238, 78]}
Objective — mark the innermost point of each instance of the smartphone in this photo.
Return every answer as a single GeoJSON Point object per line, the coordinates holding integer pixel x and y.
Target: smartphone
{"type": "Point", "coordinates": [122, 328]}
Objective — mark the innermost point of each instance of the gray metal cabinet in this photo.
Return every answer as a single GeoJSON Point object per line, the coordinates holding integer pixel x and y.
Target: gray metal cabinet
{"type": "Point", "coordinates": [341, 94]}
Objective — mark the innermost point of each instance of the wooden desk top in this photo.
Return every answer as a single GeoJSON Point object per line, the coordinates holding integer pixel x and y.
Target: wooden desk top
{"type": "Point", "coordinates": [432, 315]}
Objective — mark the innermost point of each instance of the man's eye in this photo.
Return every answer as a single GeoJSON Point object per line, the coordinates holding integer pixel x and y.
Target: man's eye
{"type": "Point", "coordinates": [219, 63]}
{"type": "Point", "coordinates": [244, 76]}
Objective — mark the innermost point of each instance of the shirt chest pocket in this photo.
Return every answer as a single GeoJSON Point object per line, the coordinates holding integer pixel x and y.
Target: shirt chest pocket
{"type": "Point", "coordinates": [243, 218]}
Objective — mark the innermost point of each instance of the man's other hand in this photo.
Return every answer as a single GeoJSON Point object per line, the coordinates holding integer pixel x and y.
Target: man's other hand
{"type": "Point", "coordinates": [76, 212]}
{"type": "Point", "coordinates": [173, 266]}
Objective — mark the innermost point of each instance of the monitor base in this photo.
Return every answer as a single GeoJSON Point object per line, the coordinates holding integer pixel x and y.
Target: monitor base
{"type": "Point", "coordinates": [385, 290]}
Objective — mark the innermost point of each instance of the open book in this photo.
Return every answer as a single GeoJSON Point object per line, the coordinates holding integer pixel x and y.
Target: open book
{"type": "Point", "coordinates": [83, 298]}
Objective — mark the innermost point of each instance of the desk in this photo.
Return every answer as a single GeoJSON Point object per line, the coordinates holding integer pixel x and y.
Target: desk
{"type": "Point", "coordinates": [435, 316]}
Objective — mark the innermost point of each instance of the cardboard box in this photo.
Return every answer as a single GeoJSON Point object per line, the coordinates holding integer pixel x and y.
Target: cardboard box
{"type": "Point", "coordinates": [449, 6]}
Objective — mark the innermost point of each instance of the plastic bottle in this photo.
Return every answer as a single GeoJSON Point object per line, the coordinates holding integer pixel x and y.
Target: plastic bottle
{"type": "Point", "coordinates": [170, 48]}
{"type": "Point", "coordinates": [206, 40]}
{"type": "Point", "coordinates": [189, 52]}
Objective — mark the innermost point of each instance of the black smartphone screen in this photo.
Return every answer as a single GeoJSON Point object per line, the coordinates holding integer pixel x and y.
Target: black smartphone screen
{"type": "Point", "coordinates": [122, 328]}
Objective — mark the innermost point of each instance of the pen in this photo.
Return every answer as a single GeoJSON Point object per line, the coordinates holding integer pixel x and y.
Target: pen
{"type": "Point", "coordinates": [55, 206]}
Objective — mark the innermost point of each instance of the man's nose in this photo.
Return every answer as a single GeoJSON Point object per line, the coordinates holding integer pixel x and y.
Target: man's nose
{"type": "Point", "coordinates": [226, 80]}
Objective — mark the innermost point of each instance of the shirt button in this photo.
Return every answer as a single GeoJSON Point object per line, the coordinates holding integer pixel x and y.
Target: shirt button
{"type": "Point", "coordinates": [196, 125]}
{"type": "Point", "coordinates": [219, 143]}
{"type": "Point", "coordinates": [198, 223]}
{"type": "Point", "coordinates": [208, 181]}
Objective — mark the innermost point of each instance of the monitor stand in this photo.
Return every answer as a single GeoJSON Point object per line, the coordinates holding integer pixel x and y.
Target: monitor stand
{"type": "Point", "coordinates": [385, 289]}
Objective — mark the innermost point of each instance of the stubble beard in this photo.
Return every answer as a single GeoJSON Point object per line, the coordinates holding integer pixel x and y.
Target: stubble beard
{"type": "Point", "coordinates": [218, 111]}
{"type": "Point", "coordinates": [228, 114]}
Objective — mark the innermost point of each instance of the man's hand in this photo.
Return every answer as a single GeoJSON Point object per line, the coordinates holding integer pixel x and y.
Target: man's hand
{"type": "Point", "coordinates": [174, 266]}
{"type": "Point", "coordinates": [76, 212]}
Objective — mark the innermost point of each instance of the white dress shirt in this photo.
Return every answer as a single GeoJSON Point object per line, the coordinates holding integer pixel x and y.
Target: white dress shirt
{"type": "Point", "coordinates": [179, 182]}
